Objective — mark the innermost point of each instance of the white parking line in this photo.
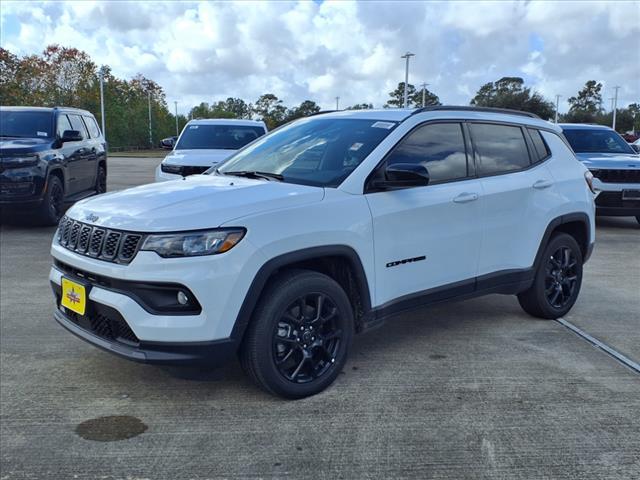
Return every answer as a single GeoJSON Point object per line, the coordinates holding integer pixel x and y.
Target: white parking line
{"type": "Point", "coordinates": [597, 343]}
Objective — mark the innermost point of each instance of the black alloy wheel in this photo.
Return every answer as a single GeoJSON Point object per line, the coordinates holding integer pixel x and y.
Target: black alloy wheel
{"type": "Point", "coordinates": [307, 338]}
{"type": "Point", "coordinates": [101, 180]}
{"type": "Point", "coordinates": [52, 206]}
{"type": "Point", "coordinates": [561, 277]}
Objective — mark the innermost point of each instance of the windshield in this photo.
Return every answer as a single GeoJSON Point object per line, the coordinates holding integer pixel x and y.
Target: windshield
{"type": "Point", "coordinates": [313, 151]}
{"type": "Point", "coordinates": [596, 141]}
{"type": "Point", "coordinates": [218, 137]}
{"type": "Point", "coordinates": [25, 124]}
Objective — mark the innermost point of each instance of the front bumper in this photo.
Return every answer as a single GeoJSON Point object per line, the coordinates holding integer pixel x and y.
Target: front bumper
{"type": "Point", "coordinates": [21, 187]}
{"type": "Point", "coordinates": [610, 201]}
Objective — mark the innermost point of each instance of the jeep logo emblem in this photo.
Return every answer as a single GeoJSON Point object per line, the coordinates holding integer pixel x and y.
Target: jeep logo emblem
{"type": "Point", "coordinates": [91, 218]}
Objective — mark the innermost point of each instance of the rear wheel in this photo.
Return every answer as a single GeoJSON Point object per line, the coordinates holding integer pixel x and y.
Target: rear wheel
{"type": "Point", "coordinates": [299, 336]}
{"type": "Point", "coordinates": [101, 180]}
{"type": "Point", "coordinates": [52, 206]}
{"type": "Point", "coordinates": [558, 279]}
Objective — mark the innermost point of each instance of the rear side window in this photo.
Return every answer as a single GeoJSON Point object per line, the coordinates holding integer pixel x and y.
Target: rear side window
{"type": "Point", "coordinates": [542, 150]}
{"type": "Point", "coordinates": [63, 124]}
{"type": "Point", "coordinates": [92, 126]}
{"type": "Point", "coordinates": [439, 147]}
{"type": "Point", "coordinates": [501, 148]}
{"type": "Point", "coordinates": [78, 124]}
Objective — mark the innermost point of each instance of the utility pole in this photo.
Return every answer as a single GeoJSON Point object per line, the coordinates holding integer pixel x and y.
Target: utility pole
{"type": "Point", "coordinates": [176, 104]}
{"type": "Point", "coordinates": [406, 56]}
{"type": "Point", "coordinates": [424, 90]}
{"type": "Point", "coordinates": [150, 136]}
{"type": "Point", "coordinates": [557, 106]}
{"type": "Point", "coordinates": [337, 103]}
{"type": "Point", "coordinates": [615, 106]}
{"type": "Point", "coordinates": [101, 77]}
{"type": "Point", "coordinates": [612, 99]}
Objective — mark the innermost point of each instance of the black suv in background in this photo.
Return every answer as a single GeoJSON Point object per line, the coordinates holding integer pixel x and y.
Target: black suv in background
{"type": "Point", "coordinates": [49, 158]}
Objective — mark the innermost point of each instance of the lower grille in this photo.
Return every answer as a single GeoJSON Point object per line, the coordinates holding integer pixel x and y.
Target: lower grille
{"type": "Point", "coordinates": [614, 199]}
{"type": "Point", "coordinates": [183, 170]}
{"type": "Point", "coordinates": [617, 176]}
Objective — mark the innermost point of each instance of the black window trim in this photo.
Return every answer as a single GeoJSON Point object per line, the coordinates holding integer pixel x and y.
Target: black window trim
{"type": "Point", "coordinates": [470, 154]}
{"type": "Point", "coordinates": [534, 149]}
{"type": "Point", "coordinates": [56, 117]}
{"type": "Point", "coordinates": [86, 130]}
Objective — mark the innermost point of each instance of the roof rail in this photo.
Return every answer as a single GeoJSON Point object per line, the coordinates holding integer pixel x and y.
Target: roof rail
{"type": "Point", "coordinates": [474, 109]}
{"type": "Point", "coordinates": [323, 111]}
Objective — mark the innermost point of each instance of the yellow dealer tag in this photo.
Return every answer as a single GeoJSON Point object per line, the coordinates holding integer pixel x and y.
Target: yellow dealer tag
{"type": "Point", "coordinates": [74, 296]}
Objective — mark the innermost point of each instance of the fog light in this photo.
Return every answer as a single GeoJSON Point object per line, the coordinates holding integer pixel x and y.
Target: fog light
{"type": "Point", "coordinates": [182, 298]}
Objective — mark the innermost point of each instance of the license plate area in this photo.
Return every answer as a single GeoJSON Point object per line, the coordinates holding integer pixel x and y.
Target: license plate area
{"type": "Point", "coordinates": [631, 195]}
{"type": "Point", "coordinates": [74, 295]}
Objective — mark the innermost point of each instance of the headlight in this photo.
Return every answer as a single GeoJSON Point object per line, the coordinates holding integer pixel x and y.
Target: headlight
{"type": "Point", "coordinates": [23, 161]}
{"type": "Point", "coordinates": [193, 244]}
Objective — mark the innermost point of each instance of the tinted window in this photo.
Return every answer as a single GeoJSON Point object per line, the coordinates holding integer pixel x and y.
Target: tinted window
{"type": "Point", "coordinates": [92, 126]}
{"type": "Point", "coordinates": [25, 124]}
{"type": "Point", "coordinates": [78, 124]}
{"type": "Point", "coordinates": [439, 147]}
{"type": "Point", "coordinates": [214, 137]}
{"type": "Point", "coordinates": [63, 124]}
{"type": "Point", "coordinates": [542, 150]}
{"type": "Point", "coordinates": [500, 148]}
{"type": "Point", "coordinates": [312, 151]}
{"type": "Point", "coordinates": [595, 140]}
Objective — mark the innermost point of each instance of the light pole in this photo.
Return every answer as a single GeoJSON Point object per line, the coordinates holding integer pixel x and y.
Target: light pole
{"type": "Point", "coordinates": [557, 106]}
{"type": "Point", "coordinates": [337, 103]}
{"type": "Point", "coordinates": [101, 77]}
{"type": "Point", "coordinates": [424, 90]}
{"type": "Point", "coordinates": [150, 136]}
{"type": "Point", "coordinates": [615, 106]}
{"type": "Point", "coordinates": [406, 56]}
{"type": "Point", "coordinates": [176, 104]}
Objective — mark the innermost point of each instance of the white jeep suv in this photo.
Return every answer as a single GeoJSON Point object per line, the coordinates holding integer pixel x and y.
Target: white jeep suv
{"type": "Point", "coordinates": [321, 229]}
{"type": "Point", "coordinates": [207, 142]}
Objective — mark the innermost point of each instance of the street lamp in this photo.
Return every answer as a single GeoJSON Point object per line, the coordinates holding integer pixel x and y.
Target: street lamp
{"type": "Point", "coordinates": [406, 56]}
{"type": "Point", "coordinates": [615, 106]}
{"type": "Point", "coordinates": [557, 106]}
{"type": "Point", "coordinates": [424, 90]}
{"type": "Point", "coordinates": [337, 103]}
{"type": "Point", "coordinates": [176, 105]}
{"type": "Point", "coordinates": [101, 77]}
{"type": "Point", "coordinates": [150, 136]}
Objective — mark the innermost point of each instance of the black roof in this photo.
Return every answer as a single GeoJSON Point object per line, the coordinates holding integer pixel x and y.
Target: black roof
{"type": "Point", "coordinates": [44, 109]}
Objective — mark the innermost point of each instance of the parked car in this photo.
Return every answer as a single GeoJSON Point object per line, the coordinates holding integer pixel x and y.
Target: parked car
{"type": "Point", "coordinates": [169, 142]}
{"type": "Point", "coordinates": [324, 228]}
{"type": "Point", "coordinates": [49, 158]}
{"type": "Point", "coordinates": [205, 143]}
{"type": "Point", "coordinates": [614, 164]}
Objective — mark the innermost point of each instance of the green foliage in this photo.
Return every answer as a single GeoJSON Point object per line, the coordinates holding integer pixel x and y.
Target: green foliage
{"type": "Point", "coordinates": [587, 105]}
{"type": "Point", "coordinates": [361, 106]}
{"type": "Point", "coordinates": [414, 97]}
{"type": "Point", "coordinates": [510, 92]}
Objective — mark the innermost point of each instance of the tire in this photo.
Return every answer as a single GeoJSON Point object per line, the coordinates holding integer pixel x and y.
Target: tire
{"type": "Point", "coordinates": [638, 218]}
{"type": "Point", "coordinates": [52, 206]}
{"type": "Point", "coordinates": [557, 281]}
{"type": "Point", "coordinates": [291, 351]}
{"type": "Point", "coordinates": [101, 180]}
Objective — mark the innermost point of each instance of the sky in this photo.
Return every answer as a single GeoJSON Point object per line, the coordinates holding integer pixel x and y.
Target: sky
{"type": "Point", "coordinates": [317, 50]}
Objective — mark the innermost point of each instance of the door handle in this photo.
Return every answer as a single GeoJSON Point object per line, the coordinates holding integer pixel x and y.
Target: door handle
{"type": "Point", "coordinates": [540, 184]}
{"type": "Point", "coordinates": [466, 197]}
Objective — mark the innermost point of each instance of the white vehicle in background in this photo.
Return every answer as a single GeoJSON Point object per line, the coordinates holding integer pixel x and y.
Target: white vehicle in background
{"type": "Point", "coordinates": [205, 143]}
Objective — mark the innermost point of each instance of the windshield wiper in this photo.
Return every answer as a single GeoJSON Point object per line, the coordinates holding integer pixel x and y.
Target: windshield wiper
{"type": "Point", "coordinates": [255, 174]}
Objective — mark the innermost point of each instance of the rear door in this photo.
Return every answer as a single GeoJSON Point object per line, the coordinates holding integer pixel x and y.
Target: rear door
{"type": "Point", "coordinates": [72, 156]}
{"type": "Point", "coordinates": [428, 237]}
{"type": "Point", "coordinates": [85, 163]}
{"type": "Point", "coordinates": [516, 187]}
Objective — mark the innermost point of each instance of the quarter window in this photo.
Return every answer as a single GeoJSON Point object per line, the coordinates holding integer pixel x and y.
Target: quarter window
{"type": "Point", "coordinates": [78, 124]}
{"type": "Point", "coordinates": [542, 150]}
{"type": "Point", "coordinates": [92, 126]}
{"type": "Point", "coordinates": [500, 148]}
{"type": "Point", "coordinates": [439, 147]}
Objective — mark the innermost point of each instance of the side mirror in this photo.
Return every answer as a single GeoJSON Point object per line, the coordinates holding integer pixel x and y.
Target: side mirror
{"type": "Point", "coordinates": [71, 136]}
{"type": "Point", "coordinates": [403, 175]}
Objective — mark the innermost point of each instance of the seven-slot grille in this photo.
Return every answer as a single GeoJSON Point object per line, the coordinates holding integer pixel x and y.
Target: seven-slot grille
{"type": "Point", "coordinates": [104, 244]}
{"type": "Point", "coordinates": [617, 176]}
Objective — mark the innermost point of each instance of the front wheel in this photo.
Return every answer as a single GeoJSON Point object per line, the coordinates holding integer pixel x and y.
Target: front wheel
{"type": "Point", "coordinates": [299, 336]}
{"type": "Point", "coordinates": [557, 281]}
{"type": "Point", "coordinates": [101, 180]}
{"type": "Point", "coordinates": [52, 205]}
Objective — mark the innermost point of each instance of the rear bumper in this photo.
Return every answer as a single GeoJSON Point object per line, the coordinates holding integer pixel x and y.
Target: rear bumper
{"type": "Point", "coordinates": [213, 353]}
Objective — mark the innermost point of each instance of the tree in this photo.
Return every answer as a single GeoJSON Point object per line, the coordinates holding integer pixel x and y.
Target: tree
{"type": "Point", "coordinates": [510, 92]}
{"type": "Point", "coordinates": [588, 103]}
{"type": "Point", "coordinates": [414, 97]}
{"type": "Point", "coordinates": [361, 106]}
{"type": "Point", "coordinates": [306, 108]}
{"type": "Point", "coordinates": [270, 109]}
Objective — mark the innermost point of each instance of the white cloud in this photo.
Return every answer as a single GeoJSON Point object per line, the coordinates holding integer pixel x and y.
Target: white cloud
{"type": "Point", "coordinates": [200, 51]}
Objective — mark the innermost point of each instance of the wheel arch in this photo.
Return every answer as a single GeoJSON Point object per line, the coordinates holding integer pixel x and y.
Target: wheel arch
{"type": "Point", "coordinates": [58, 172]}
{"type": "Point", "coordinates": [575, 224]}
{"type": "Point", "coordinates": [340, 262]}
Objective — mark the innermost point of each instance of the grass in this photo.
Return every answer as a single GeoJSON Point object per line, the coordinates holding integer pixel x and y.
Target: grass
{"type": "Point", "coordinates": [155, 153]}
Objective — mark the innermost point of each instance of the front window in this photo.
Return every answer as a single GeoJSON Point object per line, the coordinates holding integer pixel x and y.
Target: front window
{"type": "Point", "coordinates": [314, 151]}
{"type": "Point", "coordinates": [596, 141]}
{"type": "Point", "coordinates": [218, 137]}
{"type": "Point", "coordinates": [25, 124]}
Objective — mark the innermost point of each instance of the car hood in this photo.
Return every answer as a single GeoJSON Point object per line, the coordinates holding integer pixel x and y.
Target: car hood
{"type": "Point", "coordinates": [193, 203]}
{"type": "Point", "coordinates": [197, 158]}
{"type": "Point", "coordinates": [23, 145]}
{"type": "Point", "coordinates": [618, 161]}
